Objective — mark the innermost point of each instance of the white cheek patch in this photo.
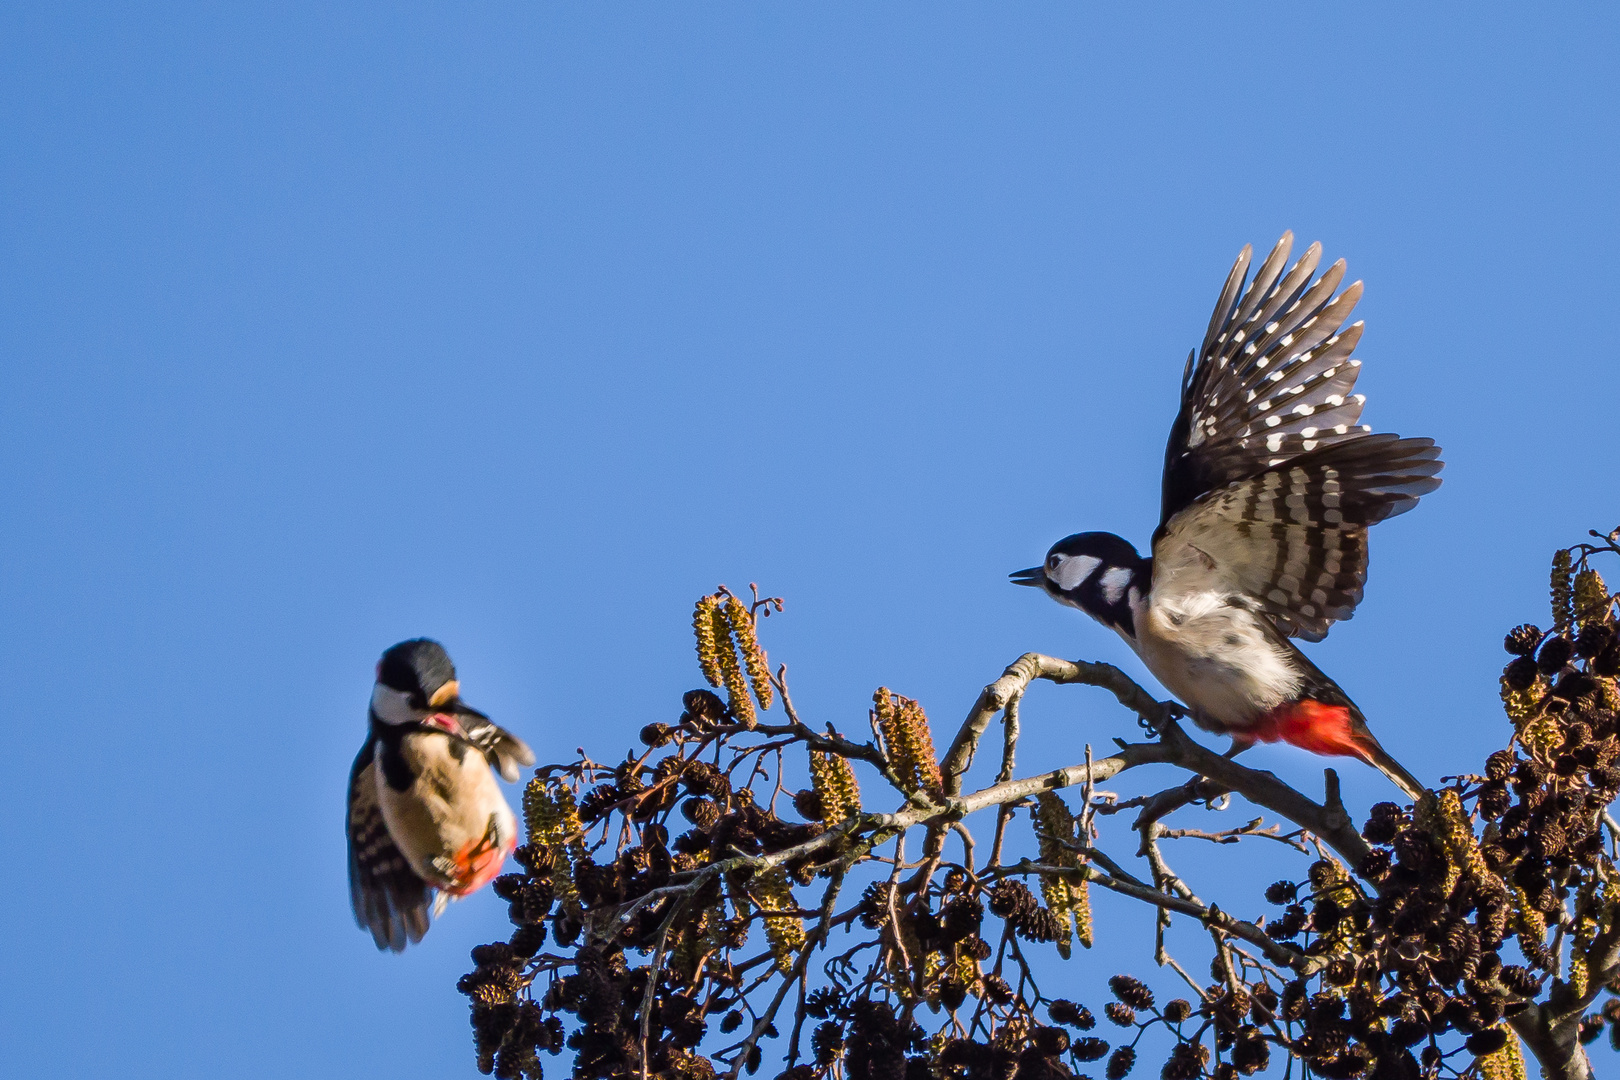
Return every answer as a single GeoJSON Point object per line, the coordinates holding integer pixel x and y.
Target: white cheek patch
{"type": "Point", "coordinates": [1073, 571]}
{"type": "Point", "coordinates": [391, 706]}
{"type": "Point", "coordinates": [1114, 583]}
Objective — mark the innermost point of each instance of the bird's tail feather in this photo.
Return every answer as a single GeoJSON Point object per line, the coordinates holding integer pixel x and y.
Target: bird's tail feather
{"type": "Point", "coordinates": [1326, 728]}
{"type": "Point", "coordinates": [1379, 759]}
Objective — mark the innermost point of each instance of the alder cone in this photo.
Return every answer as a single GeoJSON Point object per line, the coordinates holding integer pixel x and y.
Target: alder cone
{"type": "Point", "coordinates": [1520, 674]}
{"type": "Point", "coordinates": [1120, 1063]}
{"type": "Point", "coordinates": [1132, 992]}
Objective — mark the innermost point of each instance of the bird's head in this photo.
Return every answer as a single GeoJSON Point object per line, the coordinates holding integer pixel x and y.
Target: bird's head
{"type": "Point", "coordinates": [1095, 572]}
{"type": "Point", "coordinates": [416, 684]}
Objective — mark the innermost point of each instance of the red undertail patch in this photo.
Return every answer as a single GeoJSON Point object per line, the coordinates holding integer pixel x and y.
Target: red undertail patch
{"type": "Point", "coordinates": [477, 864]}
{"type": "Point", "coordinates": [1311, 725]}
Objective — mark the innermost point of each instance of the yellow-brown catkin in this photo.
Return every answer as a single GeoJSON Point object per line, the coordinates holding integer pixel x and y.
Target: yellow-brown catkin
{"type": "Point", "coordinates": [1069, 899]}
{"type": "Point", "coordinates": [1586, 929]}
{"type": "Point", "coordinates": [911, 745]}
{"type": "Point", "coordinates": [1329, 878]}
{"type": "Point", "coordinates": [902, 935]}
{"type": "Point", "coordinates": [1563, 607]}
{"type": "Point", "coordinates": [1011, 1035]}
{"type": "Point", "coordinates": [741, 621]}
{"type": "Point", "coordinates": [1449, 826]}
{"type": "Point", "coordinates": [1538, 730]}
{"type": "Point", "coordinates": [965, 970]}
{"type": "Point", "coordinates": [1052, 824]}
{"type": "Point", "coordinates": [1577, 973]}
{"type": "Point", "coordinates": [731, 673]}
{"type": "Point", "coordinates": [834, 781]}
{"type": "Point", "coordinates": [708, 645]}
{"type": "Point", "coordinates": [1608, 692]}
{"type": "Point", "coordinates": [550, 814]}
{"type": "Point", "coordinates": [784, 932]}
{"type": "Point", "coordinates": [683, 1065]}
{"type": "Point", "coordinates": [1591, 599]}
{"type": "Point", "coordinates": [1082, 912]}
{"type": "Point", "coordinates": [1507, 1063]}
{"type": "Point", "coordinates": [1542, 734]}
{"type": "Point", "coordinates": [1529, 922]}
{"type": "Point", "coordinates": [1520, 705]}
{"type": "Point", "coordinates": [691, 945]}
{"type": "Point", "coordinates": [553, 823]}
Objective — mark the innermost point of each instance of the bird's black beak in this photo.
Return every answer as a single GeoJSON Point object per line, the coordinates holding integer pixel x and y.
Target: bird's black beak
{"type": "Point", "coordinates": [1035, 575]}
{"type": "Point", "coordinates": [461, 709]}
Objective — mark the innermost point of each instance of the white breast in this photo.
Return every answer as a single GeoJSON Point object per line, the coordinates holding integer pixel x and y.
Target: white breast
{"type": "Point", "coordinates": [448, 807]}
{"type": "Point", "coordinates": [1214, 657]}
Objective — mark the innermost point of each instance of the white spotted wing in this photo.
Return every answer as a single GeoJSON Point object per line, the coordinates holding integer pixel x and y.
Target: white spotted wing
{"type": "Point", "coordinates": [389, 899]}
{"type": "Point", "coordinates": [1271, 481]}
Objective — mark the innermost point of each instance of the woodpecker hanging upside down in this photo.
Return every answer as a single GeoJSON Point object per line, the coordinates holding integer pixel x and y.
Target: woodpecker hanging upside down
{"type": "Point", "coordinates": [1270, 485]}
{"type": "Point", "coordinates": [427, 821]}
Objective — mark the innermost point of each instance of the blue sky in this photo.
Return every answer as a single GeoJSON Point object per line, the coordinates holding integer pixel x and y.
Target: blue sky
{"type": "Point", "coordinates": [521, 326]}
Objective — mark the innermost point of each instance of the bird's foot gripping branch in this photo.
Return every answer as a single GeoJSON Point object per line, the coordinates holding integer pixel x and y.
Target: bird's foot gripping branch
{"type": "Point", "coordinates": [684, 913]}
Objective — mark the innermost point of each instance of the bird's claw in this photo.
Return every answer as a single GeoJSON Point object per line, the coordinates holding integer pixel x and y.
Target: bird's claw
{"type": "Point", "coordinates": [1173, 711]}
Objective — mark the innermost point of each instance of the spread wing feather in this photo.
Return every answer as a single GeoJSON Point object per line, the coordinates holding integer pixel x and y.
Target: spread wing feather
{"type": "Point", "coordinates": [1270, 479]}
{"type": "Point", "coordinates": [388, 897]}
{"type": "Point", "coordinates": [1292, 541]}
{"type": "Point", "coordinates": [1272, 381]}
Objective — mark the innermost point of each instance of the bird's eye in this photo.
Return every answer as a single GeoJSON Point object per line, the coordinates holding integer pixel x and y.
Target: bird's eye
{"type": "Point", "coordinates": [1052, 562]}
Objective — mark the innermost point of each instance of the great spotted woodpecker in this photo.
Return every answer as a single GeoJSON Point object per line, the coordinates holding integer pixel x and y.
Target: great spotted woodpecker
{"type": "Point", "coordinates": [1270, 485]}
{"type": "Point", "coordinates": [427, 821]}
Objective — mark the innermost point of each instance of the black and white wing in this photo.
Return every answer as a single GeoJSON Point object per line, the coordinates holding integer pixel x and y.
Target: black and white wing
{"type": "Point", "coordinates": [1272, 379]}
{"type": "Point", "coordinates": [388, 897]}
{"type": "Point", "coordinates": [1293, 540]}
{"type": "Point", "coordinates": [1270, 481]}
{"type": "Point", "coordinates": [503, 749]}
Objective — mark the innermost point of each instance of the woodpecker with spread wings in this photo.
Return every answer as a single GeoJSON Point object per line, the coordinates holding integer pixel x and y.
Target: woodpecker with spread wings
{"type": "Point", "coordinates": [1270, 485]}
{"type": "Point", "coordinates": [427, 820]}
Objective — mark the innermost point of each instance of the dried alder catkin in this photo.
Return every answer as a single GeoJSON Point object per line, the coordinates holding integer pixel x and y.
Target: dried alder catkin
{"type": "Point", "coordinates": [834, 782]}
{"type": "Point", "coordinates": [708, 648]}
{"type": "Point", "coordinates": [1448, 823]}
{"type": "Point", "coordinates": [717, 657]}
{"type": "Point", "coordinates": [731, 674]}
{"type": "Point", "coordinates": [784, 932]}
{"type": "Point", "coordinates": [1066, 896]}
{"type": "Point", "coordinates": [1563, 599]}
{"type": "Point", "coordinates": [1506, 1063]}
{"type": "Point", "coordinates": [741, 622]}
{"type": "Point", "coordinates": [554, 825]}
{"type": "Point", "coordinates": [910, 744]}
{"type": "Point", "coordinates": [1591, 598]}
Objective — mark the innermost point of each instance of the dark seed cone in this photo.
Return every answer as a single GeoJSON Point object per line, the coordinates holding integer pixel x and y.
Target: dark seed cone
{"type": "Point", "coordinates": [1131, 992]}
{"type": "Point", "coordinates": [1120, 1063]}
{"type": "Point", "coordinates": [1555, 654]}
{"type": "Point", "coordinates": [1067, 1012]}
{"type": "Point", "coordinates": [1522, 640]}
{"type": "Point", "coordinates": [1520, 674]}
{"type": "Point", "coordinates": [1012, 900]}
{"type": "Point", "coordinates": [1089, 1049]}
